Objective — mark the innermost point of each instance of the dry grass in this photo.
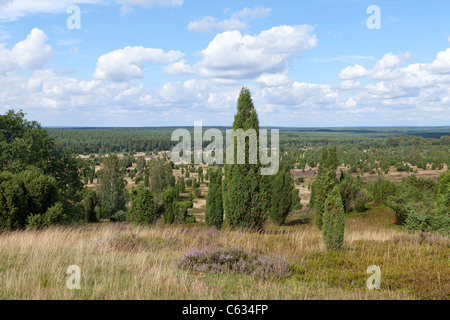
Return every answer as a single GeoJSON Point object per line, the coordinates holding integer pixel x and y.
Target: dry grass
{"type": "Point", "coordinates": [124, 261]}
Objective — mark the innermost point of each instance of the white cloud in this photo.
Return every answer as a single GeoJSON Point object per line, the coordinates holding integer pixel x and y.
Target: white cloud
{"type": "Point", "coordinates": [208, 23]}
{"type": "Point", "coordinates": [349, 85]}
{"type": "Point", "coordinates": [441, 64]}
{"type": "Point", "coordinates": [127, 63]}
{"type": "Point", "coordinates": [256, 12]}
{"type": "Point", "coordinates": [178, 68]}
{"type": "Point", "coordinates": [353, 72]}
{"type": "Point", "coordinates": [234, 56]}
{"type": "Point", "coordinates": [274, 80]}
{"type": "Point", "coordinates": [238, 21]}
{"type": "Point", "coordinates": [31, 53]}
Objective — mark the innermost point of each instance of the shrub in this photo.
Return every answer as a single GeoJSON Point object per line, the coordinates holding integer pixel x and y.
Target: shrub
{"type": "Point", "coordinates": [236, 261]}
{"type": "Point", "coordinates": [119, 216]}
{"type": "Point", "coordinates": [54, 215]}
{"type": "Point", "coordinates": [143, 208]}
{"type": "Point", "coordinates": [382, 190]}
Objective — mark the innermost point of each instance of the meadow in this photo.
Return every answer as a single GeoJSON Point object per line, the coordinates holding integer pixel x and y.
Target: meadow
{"type": "Point", "coordinates": [126, 261]}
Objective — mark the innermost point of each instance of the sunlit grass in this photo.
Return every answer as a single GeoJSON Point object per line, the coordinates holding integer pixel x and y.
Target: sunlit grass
{"type": "Point", "coordinates": [124, 261]}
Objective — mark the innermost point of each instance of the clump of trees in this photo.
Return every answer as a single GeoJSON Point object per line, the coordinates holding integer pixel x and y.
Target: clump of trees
{"type": "Point", "coordinates": [40, 185]}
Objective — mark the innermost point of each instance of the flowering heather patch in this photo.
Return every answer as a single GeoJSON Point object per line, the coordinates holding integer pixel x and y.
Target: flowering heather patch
{"type": "Point", "coordinates": [219, 261]}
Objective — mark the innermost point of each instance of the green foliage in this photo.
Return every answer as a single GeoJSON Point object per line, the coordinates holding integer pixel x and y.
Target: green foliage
{"type": "Point", "coordinates": [143, 207]}
{"type": "Point", "coordinates": [352, 193]}
{"type": "Point", "coordinates": [171, 208]}
{"type": "Point", "coordinates": [324, 183]}
{"type": "Point", "coordinates": [334, 220]}
{"type": "Point", "coordinates": [112, 191]}
{"type": "Point", "coordinates": [282, 194]}
{"type": "Point", "coordinates": [54, 215]}
{"type": "Point", "coordinates": [246, 192]}
{"type": "Point", "coordinates": [29, 192]}
{"type": "Point", "coordinates": [161, 176]}
{"type": "Point", "coordinates": [46, 173]}
{"type": "Point", "coordinates": [119, 216]}
{"type": "Point", "coordinates": [214, 200]}
{"type": "Point", "coordinates": [90, 204]}
{"type": "Point", "coordinates": [382, 190]}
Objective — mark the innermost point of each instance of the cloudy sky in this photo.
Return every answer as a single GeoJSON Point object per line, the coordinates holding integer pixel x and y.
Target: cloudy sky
{"type": "Point", "coordinates": [173, 62]}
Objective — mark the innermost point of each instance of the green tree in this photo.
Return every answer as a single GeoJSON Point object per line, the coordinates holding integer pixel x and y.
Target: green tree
{"type": "Point", "coordinates": [246, 192]}
{"type": "Point", "coordinates": [161, 176]}
{"type": "Point", "coordinates": [214, 201]}
{"type": "Point", "coordinates": [334, 220]}
{"type": "Point", "coordinates": [324, 183]}
{"type": "Point", "coordinates": [171, 208]}
{"type": "Point", "coordinates": [90, 204]}
{"type": "Point", "coordinates": [112, 186]}
{"type": "Point", "coordinates": [282, 194]}
{"type": "Point", "coordinates": [143, 208]}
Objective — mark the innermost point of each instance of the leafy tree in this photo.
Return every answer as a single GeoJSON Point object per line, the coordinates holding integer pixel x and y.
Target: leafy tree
{"type": "Point", "coordinates": [334, 220]}
{"type": "Point", "coordinates": [25, 144]}
{"type": "Point", "coordinates": [246, 192]}
{"type": "Point", "coordinates": [143, 208]}
{"type": "Point", "coordinates": [200, 174]}
{"type": "Point", "coordinates": [214, 201]}
{"type": "Point", "coordinates": [282, 194]}
{"type": "Point", "coordinates": [112, 186]}
{"type": "Point", "coordinates": [324, 183]}
{"type": "Point", "coordinates": [161, 176]}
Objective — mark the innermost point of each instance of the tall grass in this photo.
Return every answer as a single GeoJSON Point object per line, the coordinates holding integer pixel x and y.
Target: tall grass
{"type": "Point", "coordinates": [125, 261]}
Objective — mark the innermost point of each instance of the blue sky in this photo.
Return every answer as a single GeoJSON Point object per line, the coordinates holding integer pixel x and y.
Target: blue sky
{"type": "Point", "coordinates": [173, 62]}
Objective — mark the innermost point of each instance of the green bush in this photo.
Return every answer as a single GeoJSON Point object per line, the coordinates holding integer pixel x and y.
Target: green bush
{"type": "Point", "coordinates": [143, 207]}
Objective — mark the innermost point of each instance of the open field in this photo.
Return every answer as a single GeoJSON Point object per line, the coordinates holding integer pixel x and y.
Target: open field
{"type": "Point", "coordinates": [124, 261]}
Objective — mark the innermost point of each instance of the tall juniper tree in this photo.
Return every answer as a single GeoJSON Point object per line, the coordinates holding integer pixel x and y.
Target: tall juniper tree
{"type": "Point", "coordinates": [246, 192]}
{"type": "Point", "coordinates": [214, 202]}
{"type": "Point", "coordinates": [324, 183]}
{"type": "Point", "coordinates": [282, 194]}
{"type": "Point", "coordinates": [334, 220]}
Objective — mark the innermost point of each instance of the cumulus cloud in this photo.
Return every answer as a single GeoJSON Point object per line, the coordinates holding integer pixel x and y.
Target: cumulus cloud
{"type": "Point", "coordinates": [353, 72]}
{"type": "Point", "coordinates": [234, 56]}
{"type": "Point", "coordinates": [127, 63]}
{"type": "Point", "coordinates": [441, 64]}
{"type": "Point", "coordinates": [178, 68]}
{"type": "Point", "coordinates": [237, 21]}
{"type": "Point", "coordinates": [31, 53]}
